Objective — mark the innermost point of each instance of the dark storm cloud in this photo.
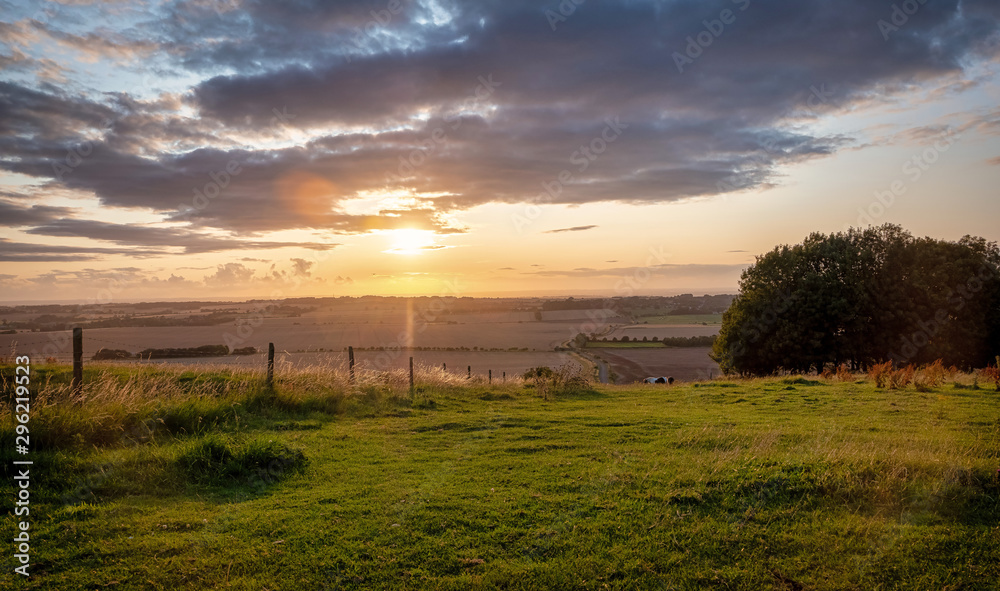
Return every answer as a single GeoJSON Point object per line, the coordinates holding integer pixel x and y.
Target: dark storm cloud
{"type": "Point", "coordinates": [480, 102]}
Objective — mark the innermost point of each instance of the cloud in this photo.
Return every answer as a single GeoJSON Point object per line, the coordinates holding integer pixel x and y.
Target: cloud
{"type": "Point", "coordinates": [283, 113]}
{"type": "Point", "coordinates": [573, 229]}
{"type": "Point", "coordinates": [302, 266]}
{"type": "Point", "coordinates": [131, 234]}
{"type": "Point", "coordinates": [230, 274]}
{"type": "Point", "coordinates": [14, 215]}
{"type": "Point", "coordinates": [91, 47]}
{"type": "Point", "coordinates": [11, 251]}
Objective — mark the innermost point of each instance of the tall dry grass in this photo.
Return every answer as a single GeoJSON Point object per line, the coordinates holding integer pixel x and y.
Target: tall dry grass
{"type": "Point", "coordinates": [121, 403]}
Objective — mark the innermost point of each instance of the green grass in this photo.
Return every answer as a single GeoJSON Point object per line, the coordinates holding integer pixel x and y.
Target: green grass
{"type": "Point", "coordinates": [682, 319]}
{"type": "Point", "coordinates": [798, 483]}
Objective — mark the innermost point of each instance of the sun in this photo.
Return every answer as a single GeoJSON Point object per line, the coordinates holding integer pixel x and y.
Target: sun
{"type": "Point", "coordinates": [410, 242]}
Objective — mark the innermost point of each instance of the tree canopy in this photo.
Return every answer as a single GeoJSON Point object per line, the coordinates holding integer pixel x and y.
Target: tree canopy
{"type": "Point", "coordinates": [861, 297]}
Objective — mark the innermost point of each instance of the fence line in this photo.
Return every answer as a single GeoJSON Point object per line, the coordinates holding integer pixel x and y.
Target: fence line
{"type": "Point", "coordinates": [77, 359]}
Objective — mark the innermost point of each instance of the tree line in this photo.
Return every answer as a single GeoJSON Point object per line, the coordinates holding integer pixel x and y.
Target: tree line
{"type": "Point", "coordinates": [862, 297]}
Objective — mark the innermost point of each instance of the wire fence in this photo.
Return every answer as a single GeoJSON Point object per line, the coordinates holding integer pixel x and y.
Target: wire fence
{"type": "Point", "coordinates": [61, 347]}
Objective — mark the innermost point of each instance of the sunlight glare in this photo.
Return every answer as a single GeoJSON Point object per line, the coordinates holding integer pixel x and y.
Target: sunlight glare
{"type": "Point", "coordinates": [410, 241]}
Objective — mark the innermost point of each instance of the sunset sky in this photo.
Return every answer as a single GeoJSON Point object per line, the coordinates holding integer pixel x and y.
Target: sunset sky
{"type": "Point", "coordinates": [238, 148]}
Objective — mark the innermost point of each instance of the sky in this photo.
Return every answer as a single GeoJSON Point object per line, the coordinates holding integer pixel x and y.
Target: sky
{"type": "Point", "coordinates": [200, 149]}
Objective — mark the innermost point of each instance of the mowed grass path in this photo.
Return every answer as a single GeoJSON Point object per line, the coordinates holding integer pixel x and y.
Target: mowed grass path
{"type": "Point", "coordinates": [766, 484]}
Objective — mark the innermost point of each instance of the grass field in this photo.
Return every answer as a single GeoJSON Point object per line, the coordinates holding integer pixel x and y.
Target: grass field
{"type": "Point", "coordinates": [208, 481]}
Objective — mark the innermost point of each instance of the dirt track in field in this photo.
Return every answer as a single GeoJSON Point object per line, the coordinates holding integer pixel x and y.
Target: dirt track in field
{"type": "Point", "coordinates": [683, 364]}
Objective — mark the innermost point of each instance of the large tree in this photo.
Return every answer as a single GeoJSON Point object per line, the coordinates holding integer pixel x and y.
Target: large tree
{"type": "Point", "coordinates": [864, 296]}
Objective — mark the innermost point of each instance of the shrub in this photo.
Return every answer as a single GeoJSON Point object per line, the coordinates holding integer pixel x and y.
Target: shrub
{"type": "Point", "coordinates": [844, 373]}
{"type": "Point", "coordinates": [934, 373]}
{"type": "Point", "coordinates": [879, 373]}
{"type": "Point", "coordinates": [567, 379]}
{"type": "Point", "coordinates": [900, 378]}
{"type": "Point", "coordinates": [992, 374]}
{"type": "Point", "coordinates": [543, 378]}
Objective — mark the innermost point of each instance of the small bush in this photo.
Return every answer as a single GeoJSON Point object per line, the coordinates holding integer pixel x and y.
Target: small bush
{"type": "Point", "coordinates": [933, 374]}
{"type": "Point", "coordinates": [569, 378]}
{"type": "Point", "coordinates": [900, 378]}
{"type": "Point", "coordinates": [879, 373]}
{"type": "Point", "coordinates": [844, 373]}
{"type": "Point", "coordinates": [991, 374]}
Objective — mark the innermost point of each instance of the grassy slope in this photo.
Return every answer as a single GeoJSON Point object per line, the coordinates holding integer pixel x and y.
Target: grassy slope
{"type": "Point", "coordinates": [750, 485]}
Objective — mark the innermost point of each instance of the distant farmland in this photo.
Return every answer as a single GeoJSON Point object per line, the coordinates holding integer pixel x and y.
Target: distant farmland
{"type": "Point", "coordinates": [508, 342]}
{"type": "Point", "coordinates": [684, 364]}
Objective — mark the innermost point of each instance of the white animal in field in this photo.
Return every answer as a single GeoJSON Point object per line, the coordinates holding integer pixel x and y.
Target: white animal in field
{"type": "Point", "coordinates": [660, 380]}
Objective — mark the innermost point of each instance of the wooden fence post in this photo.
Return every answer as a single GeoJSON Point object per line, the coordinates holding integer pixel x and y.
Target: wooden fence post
{"type": "Point", "coordinates": [444, 367]}
{"type": "Point", "coordinates": [411, 375]}
{"type": "Point", "coordinates": [350, 362]}
{"type": "Point", "coordinates": [270, 365]}
{"type": "Point", "coordinates": [470, 372]}
{"type": "Point", "coordinates": [491, 377]}
{"type": "Point", "coordinates": [77, 361]}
